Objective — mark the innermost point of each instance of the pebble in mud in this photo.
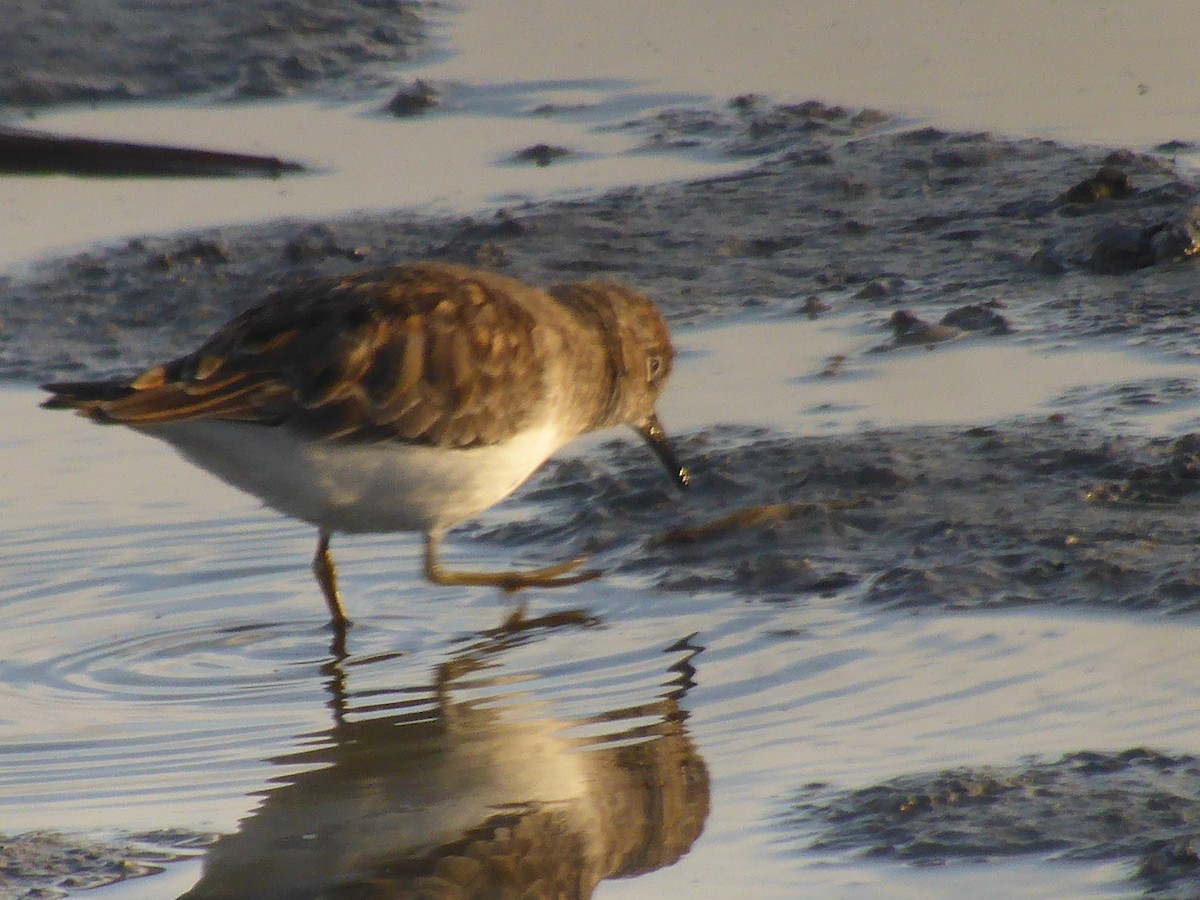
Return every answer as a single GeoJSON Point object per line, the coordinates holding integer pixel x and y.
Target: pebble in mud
{"type": "Point", "coordinates": [414, 99]}
{"type": "Point", "coordinates": [1109, 183]}
{"type": "Point", "coordinates": [1178, 238]}
{"type": "Point", "coordinates": [881, 287]}
{"type": "Point", "coordinates": [813, 306]}
{"type": "Point", "coordinates": [909, 330]}
{"type": "Point", "coordinates": [541, 154]}
{"type": "Point", "coordinates": [977, 317]}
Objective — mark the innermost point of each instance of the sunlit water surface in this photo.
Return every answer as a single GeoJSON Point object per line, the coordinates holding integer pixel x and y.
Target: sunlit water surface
{"type": "Point", "coordinates": [166, 658]}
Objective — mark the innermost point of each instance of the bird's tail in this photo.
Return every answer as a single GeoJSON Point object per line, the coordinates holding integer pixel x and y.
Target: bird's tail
{"type": "Point", "coordinates": [88, 397]}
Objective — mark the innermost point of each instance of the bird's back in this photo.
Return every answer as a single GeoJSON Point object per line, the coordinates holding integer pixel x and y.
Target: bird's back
{"type": "Point", "coordinates": [426, 353]}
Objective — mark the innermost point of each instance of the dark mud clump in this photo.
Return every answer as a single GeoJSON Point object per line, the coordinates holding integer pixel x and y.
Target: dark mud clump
{"type": "Point", "coordinates": [1109, 183]}
{"type": "Point", "coordinates": [910, 330]}
{"type": "Point", "coordinates": [73, 51]}
{"type": "Point", "coordinates": [541, 154]}
{"type": "Point", "coordinates": [1137, 805]}
{"type": "Point", "coordinates": [982, 518]}
{"type": "Point", "coordinates": [414, 99]}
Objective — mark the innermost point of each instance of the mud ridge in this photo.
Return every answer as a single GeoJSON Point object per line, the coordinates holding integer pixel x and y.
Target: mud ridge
{"type": "Point", "coordinates": [1031, 512]}
{"type": "Point", "coordinates": [1137, 804]}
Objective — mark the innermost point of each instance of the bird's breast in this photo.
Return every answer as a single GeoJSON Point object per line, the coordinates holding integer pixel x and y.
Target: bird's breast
{"type": "Point", "coordinates": [349, 487]}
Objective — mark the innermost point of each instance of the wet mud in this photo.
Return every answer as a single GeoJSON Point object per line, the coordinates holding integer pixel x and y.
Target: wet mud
{"type": "Point", "coordinates": [74, 51]}
{"type": "Point", "coordinates": [1137, 805]}
{"type": "Point", "coordinates": [45, 865]}
{"type": "Point", "coordinates": [1024, 513]}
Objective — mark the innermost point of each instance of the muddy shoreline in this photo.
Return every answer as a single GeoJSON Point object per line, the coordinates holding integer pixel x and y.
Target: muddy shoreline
{"type": "Point", "coordinates": [842, 211]}
{"type": "Point", "coordinates": [841, 207]}
{"type": "Point", "coordinates": [860, 213]}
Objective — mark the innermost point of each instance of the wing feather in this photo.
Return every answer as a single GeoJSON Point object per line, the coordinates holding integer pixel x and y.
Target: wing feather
{"type": "Point", "coordinates": [425, 353]}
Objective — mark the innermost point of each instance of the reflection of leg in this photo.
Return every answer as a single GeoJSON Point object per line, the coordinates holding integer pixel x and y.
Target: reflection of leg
{"type": "Point", "coordinates": [326, 575]}
{"type": "Point", "coordinates": [550, 576]}
{"type": "Point", "coordinates": [516, 621]}
{"type": "Point", "coordinates": [335, 680]}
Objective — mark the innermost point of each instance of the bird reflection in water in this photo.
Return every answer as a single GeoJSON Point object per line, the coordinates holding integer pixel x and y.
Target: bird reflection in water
{"type": "Point", "coordinates": [462, 790]}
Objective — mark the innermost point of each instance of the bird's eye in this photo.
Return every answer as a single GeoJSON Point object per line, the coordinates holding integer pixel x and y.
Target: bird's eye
{"type": "Point", "coordinates": [654, 367]}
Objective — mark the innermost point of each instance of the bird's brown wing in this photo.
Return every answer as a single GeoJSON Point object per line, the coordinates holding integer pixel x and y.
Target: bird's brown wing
{"type": "Point", "coordinates": [425, 353]}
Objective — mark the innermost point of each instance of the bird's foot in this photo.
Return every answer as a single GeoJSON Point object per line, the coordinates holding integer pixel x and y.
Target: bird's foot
{"type": "Point", "coordinates": [509, 581]}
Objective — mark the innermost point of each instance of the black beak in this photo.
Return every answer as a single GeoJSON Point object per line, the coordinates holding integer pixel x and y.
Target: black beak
{"type": "Point", "coordinates": [653, 434]}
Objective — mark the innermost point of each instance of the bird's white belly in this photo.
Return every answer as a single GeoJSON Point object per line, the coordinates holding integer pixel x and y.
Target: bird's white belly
{"type": "Point", "coordinates": [360, 487]}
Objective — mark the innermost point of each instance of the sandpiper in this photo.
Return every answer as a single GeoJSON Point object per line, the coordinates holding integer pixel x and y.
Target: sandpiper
{"type": "Point", "coordinates": [407, 398]}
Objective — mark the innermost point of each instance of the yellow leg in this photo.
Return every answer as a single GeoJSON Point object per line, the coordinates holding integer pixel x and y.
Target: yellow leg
{"type": "Point", "coordinates": [326, 575]}
{"type": "Point", "coordinates": [550, 576]}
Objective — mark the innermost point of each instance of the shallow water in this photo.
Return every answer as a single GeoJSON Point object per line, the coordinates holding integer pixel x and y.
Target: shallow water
{"type": "Point", "coordinates": [165, 663]}
{"type": "Point", "coordinates": [450, 162]}
{"type": "Point", "coordinates": [942, 61]}
{"type": "Point", "coordinates": [784, 363]}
